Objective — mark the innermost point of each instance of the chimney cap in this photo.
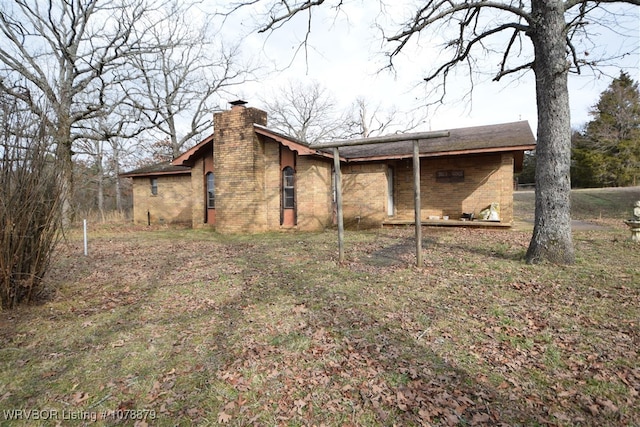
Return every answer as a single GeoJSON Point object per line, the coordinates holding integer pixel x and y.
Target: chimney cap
{"type": "Point", "coordinates": [238, 103]}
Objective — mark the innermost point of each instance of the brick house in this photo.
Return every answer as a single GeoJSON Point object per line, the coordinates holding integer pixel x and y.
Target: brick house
{"type": "Point", "coordinates": [246, 177]}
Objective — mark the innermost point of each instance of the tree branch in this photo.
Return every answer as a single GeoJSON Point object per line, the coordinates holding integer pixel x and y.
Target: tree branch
{"type": "Point", "coordinates": [277, 21]}
{"type": "Point", "coordinates": [462, 54]}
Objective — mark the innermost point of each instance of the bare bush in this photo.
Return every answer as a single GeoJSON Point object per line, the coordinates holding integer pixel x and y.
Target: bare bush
{"type": "Point", "coordinates": [30, 213]}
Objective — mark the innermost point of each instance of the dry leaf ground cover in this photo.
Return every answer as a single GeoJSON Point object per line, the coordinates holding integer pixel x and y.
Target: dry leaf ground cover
{"type": "Point", "coordinates": [169, 327]}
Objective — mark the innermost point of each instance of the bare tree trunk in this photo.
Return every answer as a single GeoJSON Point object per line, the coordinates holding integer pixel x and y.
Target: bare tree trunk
{"type": "Point", "coordinates": [64, 156]}
{"type": "Point", "coordinates": [551, 240]}
{"type": "Point", "coordinates": [100, 178]}
{"type": "Point", "coordinates": [363, 117]}
{"type": "Point", "coordinates": [176, 148]}
{"type": "Point", "coordinates": [116, 172]}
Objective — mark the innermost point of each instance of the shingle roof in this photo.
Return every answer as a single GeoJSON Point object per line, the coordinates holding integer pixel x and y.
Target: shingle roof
{"type": "Point", "coordinates": [163, 168]}
{"type": "Point", "coordinates": [516, 136]}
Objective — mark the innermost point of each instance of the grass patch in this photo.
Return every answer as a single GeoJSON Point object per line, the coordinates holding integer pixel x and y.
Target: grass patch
{"type": "Point", "coordinates": [195, 328]}
{"type": "Point", "coordinates": [586, 204]}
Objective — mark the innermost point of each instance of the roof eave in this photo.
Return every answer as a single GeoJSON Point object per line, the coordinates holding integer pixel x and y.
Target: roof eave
{"type": "Point", "coordinates": [300, 147]}
{"type": "Point", "coordinates": [152, 174]}
{"type": "Point", "coordinates": [185, 158]}
{"type": "Point", "coordinates": [443, 153]}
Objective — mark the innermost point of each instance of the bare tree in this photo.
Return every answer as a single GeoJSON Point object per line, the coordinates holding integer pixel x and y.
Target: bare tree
{"type": "Point", "coordinates": [369, 121]}
{"type": "Point", "coordinates": [65, 54]}
{"type": "Point", "coordinates": [308, 112]}
{"type": "Point", "coordinates": [552, 30]}
{"type": "Point", "coordinates": [120, 150]}
{"type": "Point", "coordinates": [111, 139]}
{"type": "Point", "coordinates": [376, 120]}
{"type": "Point", "coordinates": [95, 150]}
{"type": "Point", "coordinates": [181, 81]}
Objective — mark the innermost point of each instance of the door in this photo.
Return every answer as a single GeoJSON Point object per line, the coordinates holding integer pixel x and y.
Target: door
{"type": "Point", "coordinates": [390, 202]}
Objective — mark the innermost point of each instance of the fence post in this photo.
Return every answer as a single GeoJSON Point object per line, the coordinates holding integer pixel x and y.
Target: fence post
{"type": "Point", "coordinates": [84, 226]}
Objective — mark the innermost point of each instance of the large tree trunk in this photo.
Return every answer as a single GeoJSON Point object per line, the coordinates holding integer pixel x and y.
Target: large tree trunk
{"type": "Point", "coordinates": [551, 240]}
{"type": "Point", "coordinates": [64, 159]}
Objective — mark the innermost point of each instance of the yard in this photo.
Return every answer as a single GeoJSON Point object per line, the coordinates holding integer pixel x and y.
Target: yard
{"type": "Point", "coordinates": [164, 327]}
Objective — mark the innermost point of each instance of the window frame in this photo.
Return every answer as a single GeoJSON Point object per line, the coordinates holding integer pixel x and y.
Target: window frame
{"type": "Point", "coordinates": [211, 190]}
{"type": "Point", "coordinates": [288, 188]}
{"type": "Point", "coordinates": [153, 183]}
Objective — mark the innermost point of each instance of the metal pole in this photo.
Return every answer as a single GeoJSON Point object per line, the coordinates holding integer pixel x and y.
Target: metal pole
{"type": "Point", "coordinates": [84, 226]}
{"type": "Point", "coordinates": [336, 166]}
{"type": "Point", "coordinates": [416, 197]}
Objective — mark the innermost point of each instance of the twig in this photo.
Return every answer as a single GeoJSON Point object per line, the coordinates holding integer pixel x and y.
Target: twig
{"type": "Point", "coordinates": [100, 401]}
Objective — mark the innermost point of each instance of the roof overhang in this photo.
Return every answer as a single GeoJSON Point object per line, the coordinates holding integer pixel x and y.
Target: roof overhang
{"type": "Point", "coordinates": [518, 148]}
{"type": "Point", "coordinates": [302, 148]}
{"type": "Point", "coordinates": [148, 173]}
{"type": "Point", "coordinates": [515, 137]}
{"type": "Point", "coordinates": [188, 157]}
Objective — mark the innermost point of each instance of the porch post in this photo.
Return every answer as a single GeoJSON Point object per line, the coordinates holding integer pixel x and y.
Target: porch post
{"type": "Point", "coordinates": [415, 137]}
{"type": "Point", "coordinates": [416, 197]}
{"type": "Point", "coordinates": [336, 166]}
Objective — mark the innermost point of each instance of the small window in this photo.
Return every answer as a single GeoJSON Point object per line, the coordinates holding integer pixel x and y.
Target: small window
{"type": "Point", "coordinates": [450, 176]}
{"type": "Point", "coordinates": [211, 191]}
{"type": "Point", "coordinates": [154, 186]}
{"type": "Point", "coordinates": [288, 188]}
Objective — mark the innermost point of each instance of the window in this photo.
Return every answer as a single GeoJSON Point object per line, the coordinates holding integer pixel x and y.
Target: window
{"type": "Point", "coordinates": [450, 176]}
{"type": "Point", "coordinates": [288, 189]}
{"type": "Point", "coordinates": [211, 191]}
{"type": "Point", "coordinates": [154, 186]}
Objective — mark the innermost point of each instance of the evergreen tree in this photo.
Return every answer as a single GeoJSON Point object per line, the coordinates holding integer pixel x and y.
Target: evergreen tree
{"type": "Point", "coordinates": [607, 152]}
{"type": "Point", "coordinates": [528, 174]}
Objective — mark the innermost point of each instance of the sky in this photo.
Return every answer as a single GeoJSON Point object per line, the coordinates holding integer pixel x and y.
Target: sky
{"type": "Point", "coordinates": [345, 54]}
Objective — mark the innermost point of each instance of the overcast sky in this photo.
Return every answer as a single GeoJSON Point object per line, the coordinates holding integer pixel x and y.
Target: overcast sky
{"type": "Point", "coordinates": [345, 54]}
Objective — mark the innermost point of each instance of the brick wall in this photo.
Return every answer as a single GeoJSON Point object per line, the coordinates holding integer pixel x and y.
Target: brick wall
{"type": "Point", "coordinates": [487, 179]}
{"type": "Point", "coordinates": [248, 180]}
{"type": "Point", "coordinates": [248, 184]}
{"type": "Point", "coordinates": [364, 194]}
{"type": "Point", "coordinates": [172, 204]}
{"type": "Point", "coordinates": [240, 177]}
{"type": "Point", "coordinates": [272, 179]}
{"type": "Point", "coordinates": [198, 191]}
{"type": "Point", "coordinates": [197, 194]}
{"type": "Point", "coordinates": [314, 197]}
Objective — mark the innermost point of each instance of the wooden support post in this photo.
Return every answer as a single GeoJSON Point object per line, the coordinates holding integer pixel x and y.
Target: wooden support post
{"type": "Point", "coordinates": [416, 138]}
{"type": "Point", "coordinates": [338, 172]}
{"type": "Point", "coordinates": [417, 202]}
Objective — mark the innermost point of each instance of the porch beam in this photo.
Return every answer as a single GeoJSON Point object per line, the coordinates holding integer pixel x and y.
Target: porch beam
{"type": "Point", "coordinates": [412, 137]}
{"type": "Point", "coordinates": [408, 137]}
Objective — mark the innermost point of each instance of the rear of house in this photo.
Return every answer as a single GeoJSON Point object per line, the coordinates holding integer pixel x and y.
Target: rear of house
{"type": "Point", "coordinates": [462, 173]}
{"type": "Point", "coordinates": [247, 178]}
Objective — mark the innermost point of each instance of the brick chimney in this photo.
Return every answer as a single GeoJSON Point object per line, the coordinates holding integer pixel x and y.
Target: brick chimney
{"type": "Point", "coordinates": [239, 165]}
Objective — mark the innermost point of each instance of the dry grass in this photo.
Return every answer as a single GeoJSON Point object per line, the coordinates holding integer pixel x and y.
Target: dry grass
{"type": "Point", "coordinates": [592, 204]}
{"type": "Point", "coordinates": [192, 328]}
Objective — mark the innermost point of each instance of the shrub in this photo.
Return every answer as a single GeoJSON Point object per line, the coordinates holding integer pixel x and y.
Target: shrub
{"type": "Point", "coordinates": [29, 210]}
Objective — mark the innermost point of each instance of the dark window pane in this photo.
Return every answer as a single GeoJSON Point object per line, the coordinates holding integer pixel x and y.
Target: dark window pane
{"type": "Point", "coordinates": [288, 188]}
{"type": "Point", "coordinates": [211, 191]}
{"type": "Point", "coordinates": [288, 198]}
